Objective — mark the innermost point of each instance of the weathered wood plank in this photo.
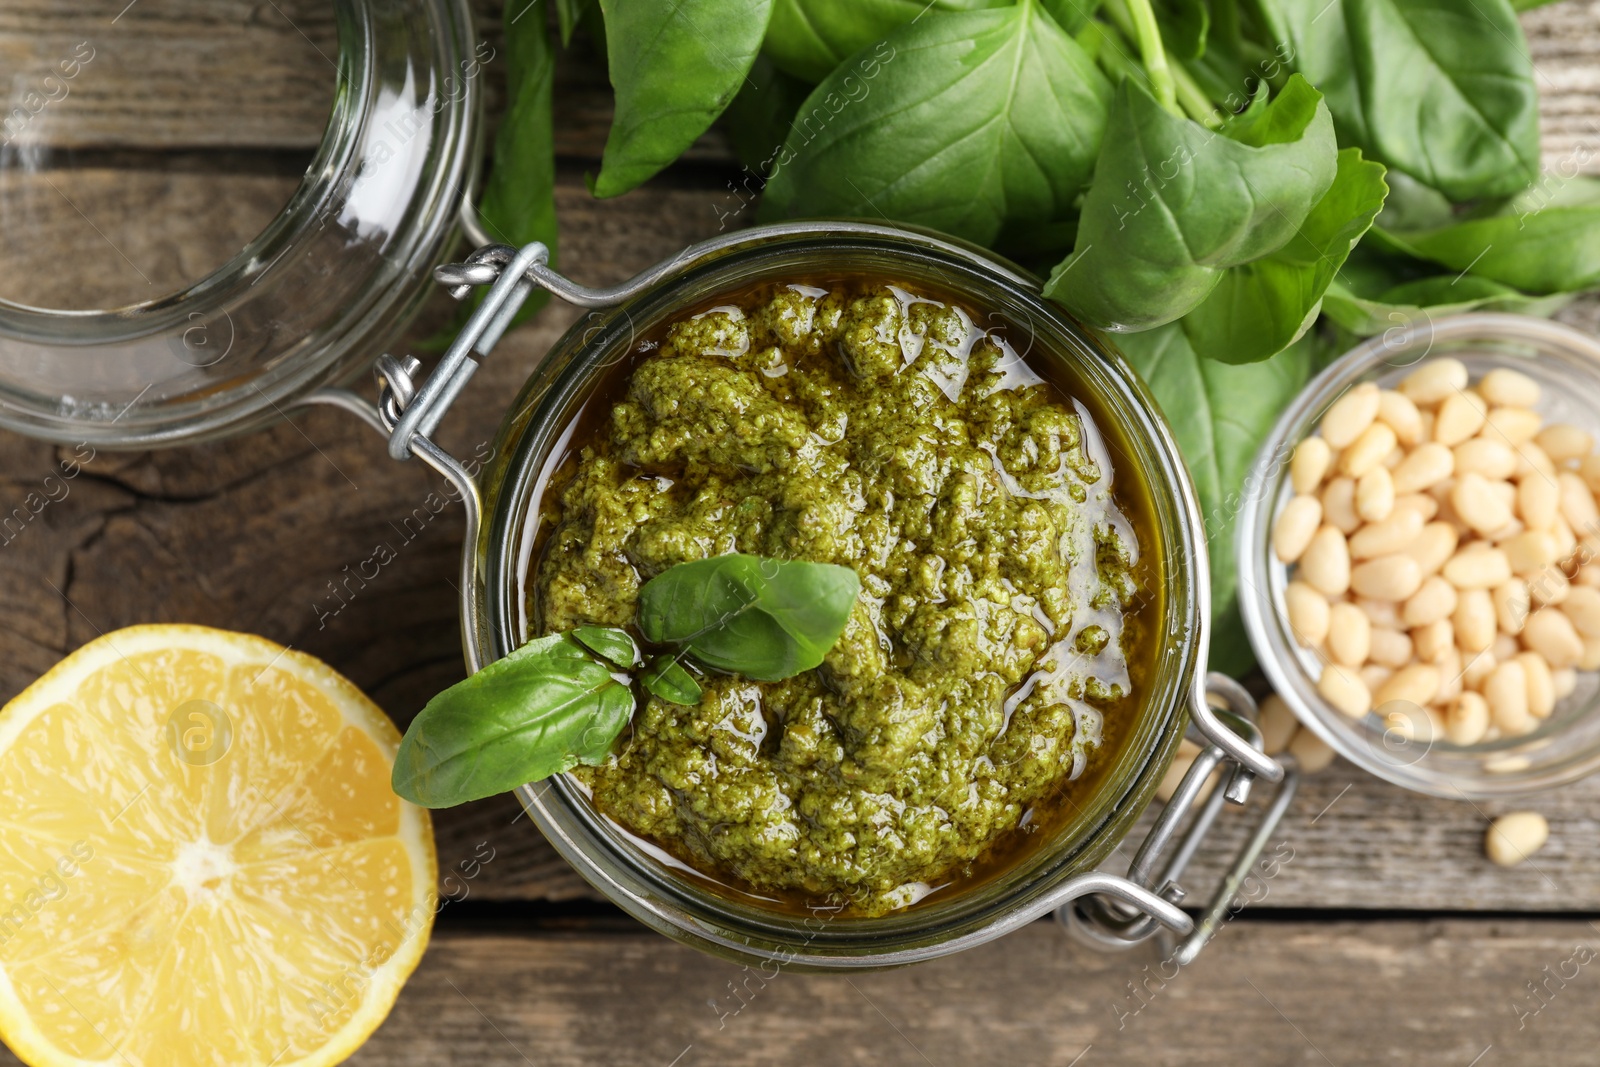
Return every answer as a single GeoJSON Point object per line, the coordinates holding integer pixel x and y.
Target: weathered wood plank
{"type": "Point", "coordinates": [106, 237]}
{"type": "Point", "coordinates": [1409, 994]}
{"type": "Point", "coordinates": [1264, 993]}
{"type": "Point", "coordinates": [168, 73]}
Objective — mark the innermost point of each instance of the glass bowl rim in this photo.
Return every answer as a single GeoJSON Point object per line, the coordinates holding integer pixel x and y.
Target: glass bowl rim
{"type": "Point", "coordinates": [1263, 617]}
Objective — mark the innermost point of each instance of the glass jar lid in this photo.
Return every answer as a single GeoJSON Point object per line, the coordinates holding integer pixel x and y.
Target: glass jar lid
{"type": "Point", "coordinates": [207, 216]}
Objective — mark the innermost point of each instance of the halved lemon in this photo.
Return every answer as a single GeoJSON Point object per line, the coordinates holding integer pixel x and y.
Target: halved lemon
{"type": "Point", "coordinates": [201, 859]}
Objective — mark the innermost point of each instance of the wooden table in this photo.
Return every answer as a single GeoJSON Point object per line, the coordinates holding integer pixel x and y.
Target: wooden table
{"type": "Point", "coordinates": [1385, 938]}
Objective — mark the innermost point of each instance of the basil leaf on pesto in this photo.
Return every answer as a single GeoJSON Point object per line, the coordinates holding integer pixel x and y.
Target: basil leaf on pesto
{"type": "Point", "coordinates": [766, 619]}
{"type": "Point", "coordinates": [610, 644]}
{"type": "Point", "coordinates": [542, 710]}
{"type": "Point", "coordinates": [665, 677]}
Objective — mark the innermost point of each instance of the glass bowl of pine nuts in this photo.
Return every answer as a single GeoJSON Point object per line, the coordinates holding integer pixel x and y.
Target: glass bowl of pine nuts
{"type": "Point", "coordinates": [1419, 556]}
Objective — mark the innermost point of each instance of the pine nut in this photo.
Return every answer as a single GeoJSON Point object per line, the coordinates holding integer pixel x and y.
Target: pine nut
{"type": "Point", "coordinates": [1511, 604]}
{"type": "Point", "coordinates": [1410, 721]}
{"type": "Point", "coordinates": [1384, 613]}
{"type": "Point", "coordinates": [1277, 724]}
{"type": "Point", "coordinates": [1449, 677]}
{"type": "Point", "coordinates": [1367, 451]}
{"type": "Point", "coordinates": [1532, 460]}
{"type": "Point", "coordinates": [1563, 442]}
{"type": "Point", "coordinates": [1529, 551]}
{"type": "Point", "coordinates": [1478, 668]}
{"type": "Point", "coordinates": [1563, 682]}
{"type": "Point", "coordinates": [1373, 675]}
{"type": "Point", "coordinates": [1477, 567]}
{"type": "Point", "coordinates": [1310, 463]}
{"type": "Point", "coordinates": [1295, 527]}
{"type": "Point", "coordinates": [1512, 838]}
{"type": "Point", "coordinates": [1375, 495]}
{"type": "Point", "coordinates": [1505, 647]}
{"type": "Point", "coordinates": [1339, 505]}
{"type": "Point", "coordinates": [1341, 687]}
{"type": "Point", "coordinates": [1478, 505]}
{"type": "Point", "coordinates": [1325, 564]}
{"type": "Point", "coordinates": [1416, 684]}
{"type": "Point", "coordinates": [1589, 471]}
{"type": "Point", "coordinates": [1474, 620]}
{"type": "Point", "coordinates": [1421, 503]}
{"type": "Point", "coordinates": [1308, 613]}
{"type": "Point", "coordinates": [1538, 500]}
{"type": "Point", "coordinates": [1589, 575]}
{"type": "Point", "coordinates": [1541, 687]}
{"type": "Point", "coordinates": [1310, 752]}
{"type": "Point", "coordinates": [1551, 634]}
{"type": "Point", "coordinates": [1349, 635]}
{"type": "Point", "coordinates": [1514, 426]}
{"type": "Point", "coordinates": [1390, 648]}
{"type": "Point", "coordinates": [1582, 606]}
{"type": "Point", "coordinates": [1577, 503]}
{"type": "Point", "coordinates": [1507, 694]}
{"type": "Point", "coordinates": [1509, 388]}
{"type": "Point", "coordinates": [1349, 416]}
{"type": "Point", "coordinates": [1401, 416]}
{"type": "Point", "coordinates": [1426, 467]}
{"type": "Point", "coordinates": [1566, 540]}
{"type": "Point", "coordinates": [1548, 586]}
{"type": "Point", "coordinates": [1467, 720]}
{"type": "Point", "coordinates": [1434, 380]}
{"type": "Point", "coordinates": [1483, 456]}
{"type": "Point", "coordinates": [1391, 577]}
{"type": "Point", "coordinates": [1433, 547]}
{"type": "Point", "coordinates": [1393, 534]}
{"type": "Point", "coordinates": [1434, 599]}
{"type": "Point", "coordinates": [1460, 416]}
{"type": "Point", "coordinates": [1433, 641]}
{"type": "Point", "coordinates": [1591, 655]}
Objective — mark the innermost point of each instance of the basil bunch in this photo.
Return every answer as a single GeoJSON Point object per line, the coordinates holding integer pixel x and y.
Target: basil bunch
{"type": "Point", "coordinates": [560, 701]}
{"type": "Point", "coordinates": [1245, 182]}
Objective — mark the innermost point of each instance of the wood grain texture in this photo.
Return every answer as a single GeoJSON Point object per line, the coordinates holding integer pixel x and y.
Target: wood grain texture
{"type": "Point", "coordinates": [1264, 994]}
{"type": "Point", "coordinates": [1433, 994]}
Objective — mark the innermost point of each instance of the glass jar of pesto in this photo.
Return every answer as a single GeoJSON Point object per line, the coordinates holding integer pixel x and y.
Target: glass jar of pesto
{"type": "Point", "coordinates": [986, 342]}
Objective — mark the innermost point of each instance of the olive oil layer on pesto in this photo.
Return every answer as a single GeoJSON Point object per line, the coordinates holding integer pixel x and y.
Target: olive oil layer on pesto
{"type": "Point", "coordinates": [870, 427]}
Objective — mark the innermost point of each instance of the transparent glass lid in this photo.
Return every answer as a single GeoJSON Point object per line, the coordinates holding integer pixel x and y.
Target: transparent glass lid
{"type": "Point", "coordinates": [144, 144]}
{"type": "Point", "coordinates": [211, 208]}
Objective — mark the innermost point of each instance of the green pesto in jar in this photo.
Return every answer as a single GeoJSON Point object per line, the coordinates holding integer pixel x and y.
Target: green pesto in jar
{"type": "Point", "coordinates": [997, 646]}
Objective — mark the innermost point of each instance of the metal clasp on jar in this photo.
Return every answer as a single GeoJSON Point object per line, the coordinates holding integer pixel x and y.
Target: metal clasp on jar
{"type": "Point", "coordinates": [1108, 923]}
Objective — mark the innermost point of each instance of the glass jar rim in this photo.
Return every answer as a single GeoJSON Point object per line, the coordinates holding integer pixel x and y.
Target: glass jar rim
{"type": "Point", "coordinates": [680, 907]}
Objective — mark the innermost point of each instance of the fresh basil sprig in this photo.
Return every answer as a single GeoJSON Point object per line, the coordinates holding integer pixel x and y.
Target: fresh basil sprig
{"type": "Point", "coordinates": [542, 710]}
{"type": "Point", "coordinates": [552, 704]}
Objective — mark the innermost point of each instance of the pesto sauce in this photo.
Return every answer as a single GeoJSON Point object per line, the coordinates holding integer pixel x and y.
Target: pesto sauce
{"type": "Point", "coordinates": [867, 425]}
